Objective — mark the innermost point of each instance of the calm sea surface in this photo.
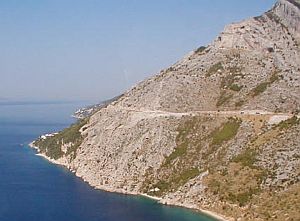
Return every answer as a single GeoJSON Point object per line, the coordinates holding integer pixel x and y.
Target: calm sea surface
{"type": "Point", "coordinates": [32, 189]}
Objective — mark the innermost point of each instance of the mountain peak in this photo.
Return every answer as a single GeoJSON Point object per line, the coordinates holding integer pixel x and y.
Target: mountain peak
{"type": "Point", "coordinates": [294, 2]}
{"type": "Point", "coordinates": [218, 130]}
{"type": "Point", "coordinates": [263, 31]}
{"type": "Point", "coordinates": [289, 13]}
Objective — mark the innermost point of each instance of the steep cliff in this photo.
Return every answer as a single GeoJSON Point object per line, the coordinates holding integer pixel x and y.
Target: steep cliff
{"type": "Point", "coordinates": [218, 130]}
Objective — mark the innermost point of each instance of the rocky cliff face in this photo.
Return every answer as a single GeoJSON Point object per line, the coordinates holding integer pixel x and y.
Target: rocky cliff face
{"type": "Point", "coordinates": [289, 12]}
{"type": "Point", "coordinates": [218, 130]}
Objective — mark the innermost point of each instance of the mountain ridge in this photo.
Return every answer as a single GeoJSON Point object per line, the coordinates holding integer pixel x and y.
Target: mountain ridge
{"type": "Point", "coordinates": [218, 130]}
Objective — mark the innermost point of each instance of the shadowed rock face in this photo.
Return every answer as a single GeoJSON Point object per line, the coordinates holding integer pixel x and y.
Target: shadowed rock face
{"type": "Point", "coordinates": [295, 2]}
{"type": "Point", "coordinates": [214, 131]}
{"type": "Point", "coordinates": [288, 11]}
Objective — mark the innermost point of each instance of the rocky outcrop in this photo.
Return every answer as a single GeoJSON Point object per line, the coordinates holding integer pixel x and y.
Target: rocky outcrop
{"type": "Point", "coordinates": [288, 12]}
{"type": "Point", "coordinates": [217, 130]}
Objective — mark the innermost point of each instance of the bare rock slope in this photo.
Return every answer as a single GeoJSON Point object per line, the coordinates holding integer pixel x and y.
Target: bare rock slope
{"type": "Point", "coordinates": [218, 130]}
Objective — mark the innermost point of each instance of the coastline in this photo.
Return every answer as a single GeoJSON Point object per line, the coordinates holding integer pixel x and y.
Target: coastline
{"type": "Point", "coordinates": [157, 199]}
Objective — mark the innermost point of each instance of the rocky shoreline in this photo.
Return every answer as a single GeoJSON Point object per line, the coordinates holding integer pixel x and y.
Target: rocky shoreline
{"type": "Point", "coordinates": [218, 130]}
{"type": "Point", "coordinates": [63, 162]}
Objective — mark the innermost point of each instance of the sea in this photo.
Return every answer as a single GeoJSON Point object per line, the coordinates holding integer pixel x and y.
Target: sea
{"type": "Point", "coordinates": [33, 189]}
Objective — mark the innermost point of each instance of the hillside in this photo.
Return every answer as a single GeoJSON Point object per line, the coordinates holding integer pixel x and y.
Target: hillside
{"type": "Point", "coordinates": [219, 130]}
{"type": "Point", "coordinates": [91, 109]}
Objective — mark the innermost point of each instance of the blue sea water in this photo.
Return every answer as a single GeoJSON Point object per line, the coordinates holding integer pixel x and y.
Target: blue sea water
{"type": "Point", "coordinates": [32, 189]}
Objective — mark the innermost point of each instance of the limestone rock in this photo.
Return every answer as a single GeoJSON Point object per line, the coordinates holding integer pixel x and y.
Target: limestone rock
{"type": "Point", "coordinates": [198, 134]}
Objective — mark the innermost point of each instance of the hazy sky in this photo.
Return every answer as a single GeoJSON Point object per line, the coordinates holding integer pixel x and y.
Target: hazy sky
{"type": "Point", "coordinates": [95, 49]}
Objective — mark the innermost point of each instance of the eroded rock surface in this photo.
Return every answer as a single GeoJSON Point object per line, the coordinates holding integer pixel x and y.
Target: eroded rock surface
{"type": "Point", "coordinates": [218, 130]}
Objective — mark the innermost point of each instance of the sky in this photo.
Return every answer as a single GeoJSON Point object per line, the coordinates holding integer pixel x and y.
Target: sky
{"type": "Point", "coordinates": [96, 49]}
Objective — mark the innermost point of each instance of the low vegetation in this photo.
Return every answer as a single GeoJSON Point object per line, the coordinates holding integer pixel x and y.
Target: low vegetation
{"type": "Point", "coordinates": [178, 152]}
{"type": "Point", "coordinates": [282, 205]}
{"type": "Point", "coordinates": [229, 80]}
{"type": "Point", "coordinates": [194, 142]}
{"type": "Point", "coordinates": [224, 97]}
{"type": "Point", "coordinates": [214, 69]}
{"type": "Point", "coordinates": [226, 132]}
{"type": "Point", "coordinates": [183, 163]}
{"type": "Point", "coordinates": [176, 181]}
{"type": "Point", "coordinates": [260, 88]}
{"type": "Point", "coordinates": [239, 184]}
{"type": "Point", "coordinates": [288, 123]}
{"type": "Point", "coordinates": [181, 141]}
{"type": "Point", "coordinates": [200, 49]}
{"type": "Point", "coordinates": [70, 136]}
{"type": "Point", "coordinates": [247, 158]}
{"type": "Point", "coordinates": [235, 87]}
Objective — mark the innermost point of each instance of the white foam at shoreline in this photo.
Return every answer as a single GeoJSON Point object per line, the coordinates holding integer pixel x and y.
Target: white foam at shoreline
{"type": "Point", "coordinates": [158, 199]}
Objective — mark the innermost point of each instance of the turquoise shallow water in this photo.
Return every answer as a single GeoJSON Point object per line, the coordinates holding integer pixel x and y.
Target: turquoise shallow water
{"type": "Point", "coordinates": [32, 189]}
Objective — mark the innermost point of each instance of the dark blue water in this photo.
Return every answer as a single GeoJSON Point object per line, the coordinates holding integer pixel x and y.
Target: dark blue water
{"type": "Point", "coordinates": [32, 189]}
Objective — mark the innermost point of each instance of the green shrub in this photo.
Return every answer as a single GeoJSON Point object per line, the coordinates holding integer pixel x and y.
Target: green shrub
{"type": "Point", "coordinates": [51, 146]}
{"type": "Point", "coordinates": [235, 87]}
{"type": "Point", "coordinates": [224, 97]}
{"type": "Point", "coordinates": [178, 152]}
{"type": "Point", "coordinates": [247, 158]}
{"type": "Point", "coordinates": [226, 132]}
{"type": "Point", "coordinates": [200, 49]}
{"type": "Point", "coordinates": [288, 123]}
{"type": "Point", "coordinates": [229, 79]}
{"type": "Point", "coordinates": [242, 198]}
{"type": "Point", "coordinates": [176, 181]}
{"type": "Point", "coordinates": [214, 68]}
{"type": "Point", "coordinates": [260, 88]}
